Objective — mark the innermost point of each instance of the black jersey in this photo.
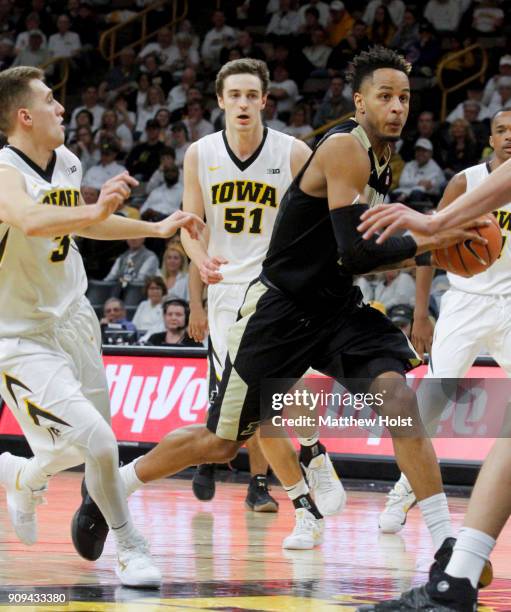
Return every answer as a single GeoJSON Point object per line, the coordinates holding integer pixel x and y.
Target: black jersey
{"type": "Point", "coordinates": [302, 259]}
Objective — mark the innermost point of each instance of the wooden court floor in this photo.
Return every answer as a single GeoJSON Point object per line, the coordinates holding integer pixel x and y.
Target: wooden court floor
{"type": "Point", "coordinates": [219, 556]}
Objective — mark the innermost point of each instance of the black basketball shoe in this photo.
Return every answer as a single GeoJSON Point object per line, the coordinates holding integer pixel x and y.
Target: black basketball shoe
{"type": "Point", "coordinates": [444, 593]}
{"type": "Point", "coordinates": [203, 482]}
{"type": "Point", "coordinates": [88, 528]}
{"type": "Point", "coordinates": [443, 556]}
{"type": "Point", "coordinates": [258, 498]}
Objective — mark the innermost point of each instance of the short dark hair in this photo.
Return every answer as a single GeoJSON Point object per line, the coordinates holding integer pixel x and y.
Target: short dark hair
{"type": "Point", "coordinates": [155, 280]}
{"type": "Point", "coordinates": [497, 113]}
{"type": "Point", "coordinates": [243, 66]}
{"type": "Point", "coordinates": [15, 92]}
{"type": "Point", "coordinates": [367, 62]}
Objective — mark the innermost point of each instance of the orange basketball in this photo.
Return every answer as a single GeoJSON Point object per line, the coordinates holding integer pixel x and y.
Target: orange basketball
{"type": "Point", "coordinates": [469, 258]}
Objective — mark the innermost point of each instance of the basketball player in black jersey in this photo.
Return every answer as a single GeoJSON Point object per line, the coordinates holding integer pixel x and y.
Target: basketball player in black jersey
{"type": "Point", "coordinates": [304, 310]}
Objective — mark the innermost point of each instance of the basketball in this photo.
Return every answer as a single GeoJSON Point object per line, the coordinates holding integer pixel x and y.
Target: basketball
{"type": "Point", "coordinates": [468, 258]}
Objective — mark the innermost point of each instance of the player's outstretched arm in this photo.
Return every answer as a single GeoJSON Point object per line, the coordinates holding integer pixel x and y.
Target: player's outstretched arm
{"type": "Point", "coordinates": [493, 192]}
{"type": "Point", "coordinates": [18, 209]}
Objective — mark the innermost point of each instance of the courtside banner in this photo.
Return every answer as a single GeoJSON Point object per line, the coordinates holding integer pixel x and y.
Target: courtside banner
{"type": "Point", "coordinates": [151, 396]}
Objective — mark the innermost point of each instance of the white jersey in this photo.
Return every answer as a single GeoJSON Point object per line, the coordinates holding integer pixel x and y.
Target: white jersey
{"type": "Point", "coordinates": [497, 279]}
{"type": "Point", "coordinates": [241, 199]}
{"type": "Point", "coordinates": [40, 277]}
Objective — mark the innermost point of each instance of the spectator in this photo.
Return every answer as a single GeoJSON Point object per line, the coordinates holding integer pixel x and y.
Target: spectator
{"type": "Point", "coordinates": [144, 158]}
{"type": "Point", "coordinates": [421, 179]}
{"type": "Point", "coordinates": [124, 116]}
{"type": "Point", "coordinates": [114, 316]}
{"type": "Point", "coordinates": [174, 270]}
{"type": "Point", "coordinates": [298, 126]}
{"type": "Point", "coordinates": [396, 164]}
{"type": "Point", "coordinates": [43, 10]}
{"type": "Point", "coordinates": [110, 129]}
{"type": "Point", "coordinates": [184, 56]}
{"type": "Point", "coordinates": [407, 33]}
{"type": "Point", "coordinates": [334, 105]}
{"type": "Point", "coordinates": [270, 115]}
{"type": "Point", "coordinates": [122, 77]}
{"type": "Point", "coordinates": [32, 23]}
{"type": "Point", "coordinates": [245, 44]}
{"type": "Point", "coordinates": [382, 30]}
{"type": "Point", "coordinates": [34, 54]}
{"type": "Point", "coordinates": [165, 199]}
{"type": "Point", "coordinates": [83, 119]}
{"type": "Point", "coordinates": [167, 161]}
{"type": "Point", "coordinates": [487, 18]}
{"type": "Point", "coordinates": [107, 168]}
{"type": "Point", "coordinates": [179, 142]}
{"type": "Point", "coordinates": [149, 313]}
{"type": "Point", "coordinates": [6, 52]}
{"type": "Point", "coordinates": [340, 23]}
{"type": "Point", "coordinates": [310, 24]}
{"type": "Point", "coordinates": [142, 88]}
{"type": "Point", "coordinates": [85, 148]}
{"type": "Point", "coordinates": [425, 129]}
{"type": "Point", "coordinates": [317, 52]}
{"type": "Point", "coordinates": [177, 95]}
{"type": "Point", "coordinates": [86, 23]}
{"type": "Point", "coordinates": [134, 265]}
{"type": "Point", "coordinates": [195, 123]}
{"type": "Point", "coordinates": [187, 27]}
{"type": "Point", "coordinates": [284, 24]}
{"type": "Point", "coordinates": [162, 117]}
{"type": "Point", "coordinates": [64, 43]}
{"type": "Point", "coordinates": [476, 115]}
{"type": "Point", "coordinates": [323, 10]}
{"type": "Point", "coordinates": [396, 9]}
{"type": "Point", "coordinates": [502, 98]}
{"type": "Point", "coordinates": [491, 85]}
{"type": "Point", "coordinates": [401, 315]}
{"type": "Point", "coordinates": [284, 89]}
{"type": "Point", "coordinates": [390, 288]}
{"type": "Point", "coordinates": [90, 195]}
{"type": "Point", "coordinates": [219, 36]}
{"type": "Point", "coordinates": [159, 77]}
{"type": "Point", "coordinates": [90, 103]}
{"type": "Point", "coordinates": [355, 42]}
{"type": "Point", "coordinates": [154, 101]}
{"type": "Point", "coordinates": [175, 315]}
{"type": "Point", "coordinates": [444, 15]}
{"type": "Point", "coordinates": [162, 48]}
{"type": "Point", "coordinates": [424, 54]}
{"type": "Point", "coordinates": [462, 149]}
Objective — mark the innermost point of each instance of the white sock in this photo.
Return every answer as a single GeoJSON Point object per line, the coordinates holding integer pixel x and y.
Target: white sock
{"type": "Point", "coordinates": [297, 490]}
{"type": "Point", "coordinates": [471, 551]}
{"type": "Point", "coordinates": [32, 476]}
{"type": "Point", "coordinates": [125, 534]}
{"type": "Point", "coordinates": [129, 477]}
{"type": "Point", "coordinates": [435, 511]}
{"type": "Point", "coordinates": [309, 441]}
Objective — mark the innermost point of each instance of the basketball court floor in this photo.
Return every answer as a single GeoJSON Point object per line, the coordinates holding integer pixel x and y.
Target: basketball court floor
{"type": "Point", "coordinates": [219, 556]}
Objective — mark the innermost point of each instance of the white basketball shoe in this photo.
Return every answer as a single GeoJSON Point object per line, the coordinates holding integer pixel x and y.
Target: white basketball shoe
{"type": "Point", "coordinates": [325, 486]}
{"type": "Point", "coordinates": [135, 567]}
{"type": "Point", "coordinates": [399, 501]}
{"type": "Point", "coordinates": [308, 531]}
{"type": "Point", "coordinates": [21, 501]}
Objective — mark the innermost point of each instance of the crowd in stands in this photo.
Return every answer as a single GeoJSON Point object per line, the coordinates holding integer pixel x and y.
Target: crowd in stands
{"type": "Point", "coordinates": [143, 112]}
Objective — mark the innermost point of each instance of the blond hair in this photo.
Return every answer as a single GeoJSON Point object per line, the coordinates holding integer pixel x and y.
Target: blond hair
{"type": "Point", "coordinates": [15, 92]}
{"type": "Point", "coordinates": [173, 246]}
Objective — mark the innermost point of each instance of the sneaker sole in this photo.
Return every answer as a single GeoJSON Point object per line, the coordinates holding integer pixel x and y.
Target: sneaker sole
{"type": "Point", "coordinates": [154, 584]}
{"type": "Point", "coordinates": [268, 507]}
{"type": "Point", "coordinates": [486, 577]}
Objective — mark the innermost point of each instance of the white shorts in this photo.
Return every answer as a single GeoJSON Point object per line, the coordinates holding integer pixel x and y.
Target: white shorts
{"type": "Point", "coordinates": [55, 385]}
{"type": "Point", "coordinates": [224, 301]}
{"type": "Point", "coordinates": [467, 324]}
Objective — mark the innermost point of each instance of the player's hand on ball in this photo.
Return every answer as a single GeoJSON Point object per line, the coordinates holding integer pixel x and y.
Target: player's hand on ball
{"type": "Point", "coordinates": [193, 224]}
{"type": "Point", "coordinates": [114, 192]}
{"type": "Point", "coordinates": [391, 218]}
{"type": "Point", "coordinates": [422, 335]}
{"type": "Point", "coordinates": [198, 324]}
{"type": "Point", "coordinates": [461, 234]}
{"type": "Point", "coordinates": [209, 270]}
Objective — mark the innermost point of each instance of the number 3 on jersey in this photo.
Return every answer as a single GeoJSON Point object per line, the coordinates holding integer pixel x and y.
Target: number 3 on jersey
{"type": "Point", "coordinates": [60, 253]}
{"type": "Point", "coordinates": [237, 219]}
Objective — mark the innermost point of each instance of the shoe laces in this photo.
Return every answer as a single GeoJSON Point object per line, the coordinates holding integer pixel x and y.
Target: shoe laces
{"type": "Point", "coordinates": [31, 499]}
{"type": "Point", "coordinates": [320, 478]}
{"type": "Point", "coordinates": [305, 522]}
{"type": "Point", "coordinates": [396, 494]}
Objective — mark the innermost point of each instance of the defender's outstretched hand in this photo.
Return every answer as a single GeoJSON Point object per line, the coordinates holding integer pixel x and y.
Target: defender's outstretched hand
{"type": "Point", "coordinates": [114, 192]}
{"type": "Point", "coordinates": [179, 219]}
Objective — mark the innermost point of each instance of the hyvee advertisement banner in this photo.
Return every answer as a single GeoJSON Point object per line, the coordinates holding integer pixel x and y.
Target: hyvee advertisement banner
{"type": "Point", "coordinates": [151, 396]}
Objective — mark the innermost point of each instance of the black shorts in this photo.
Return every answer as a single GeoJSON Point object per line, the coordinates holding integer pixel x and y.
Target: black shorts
{"type": "Point", "coordinates": [273, 338]}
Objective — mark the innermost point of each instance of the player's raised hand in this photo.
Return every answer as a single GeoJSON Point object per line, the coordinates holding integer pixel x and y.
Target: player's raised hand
{"type": "Point", "coordinates": [422, 335]}
{"type": "Point", "coordinates": [209, 270]}
{"type": "Point", "coordinates": [198, 323]}
{"type": "Point", "coordinates": [114, 192]}
{"type": "Point", "coordinates": [193, 224]}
